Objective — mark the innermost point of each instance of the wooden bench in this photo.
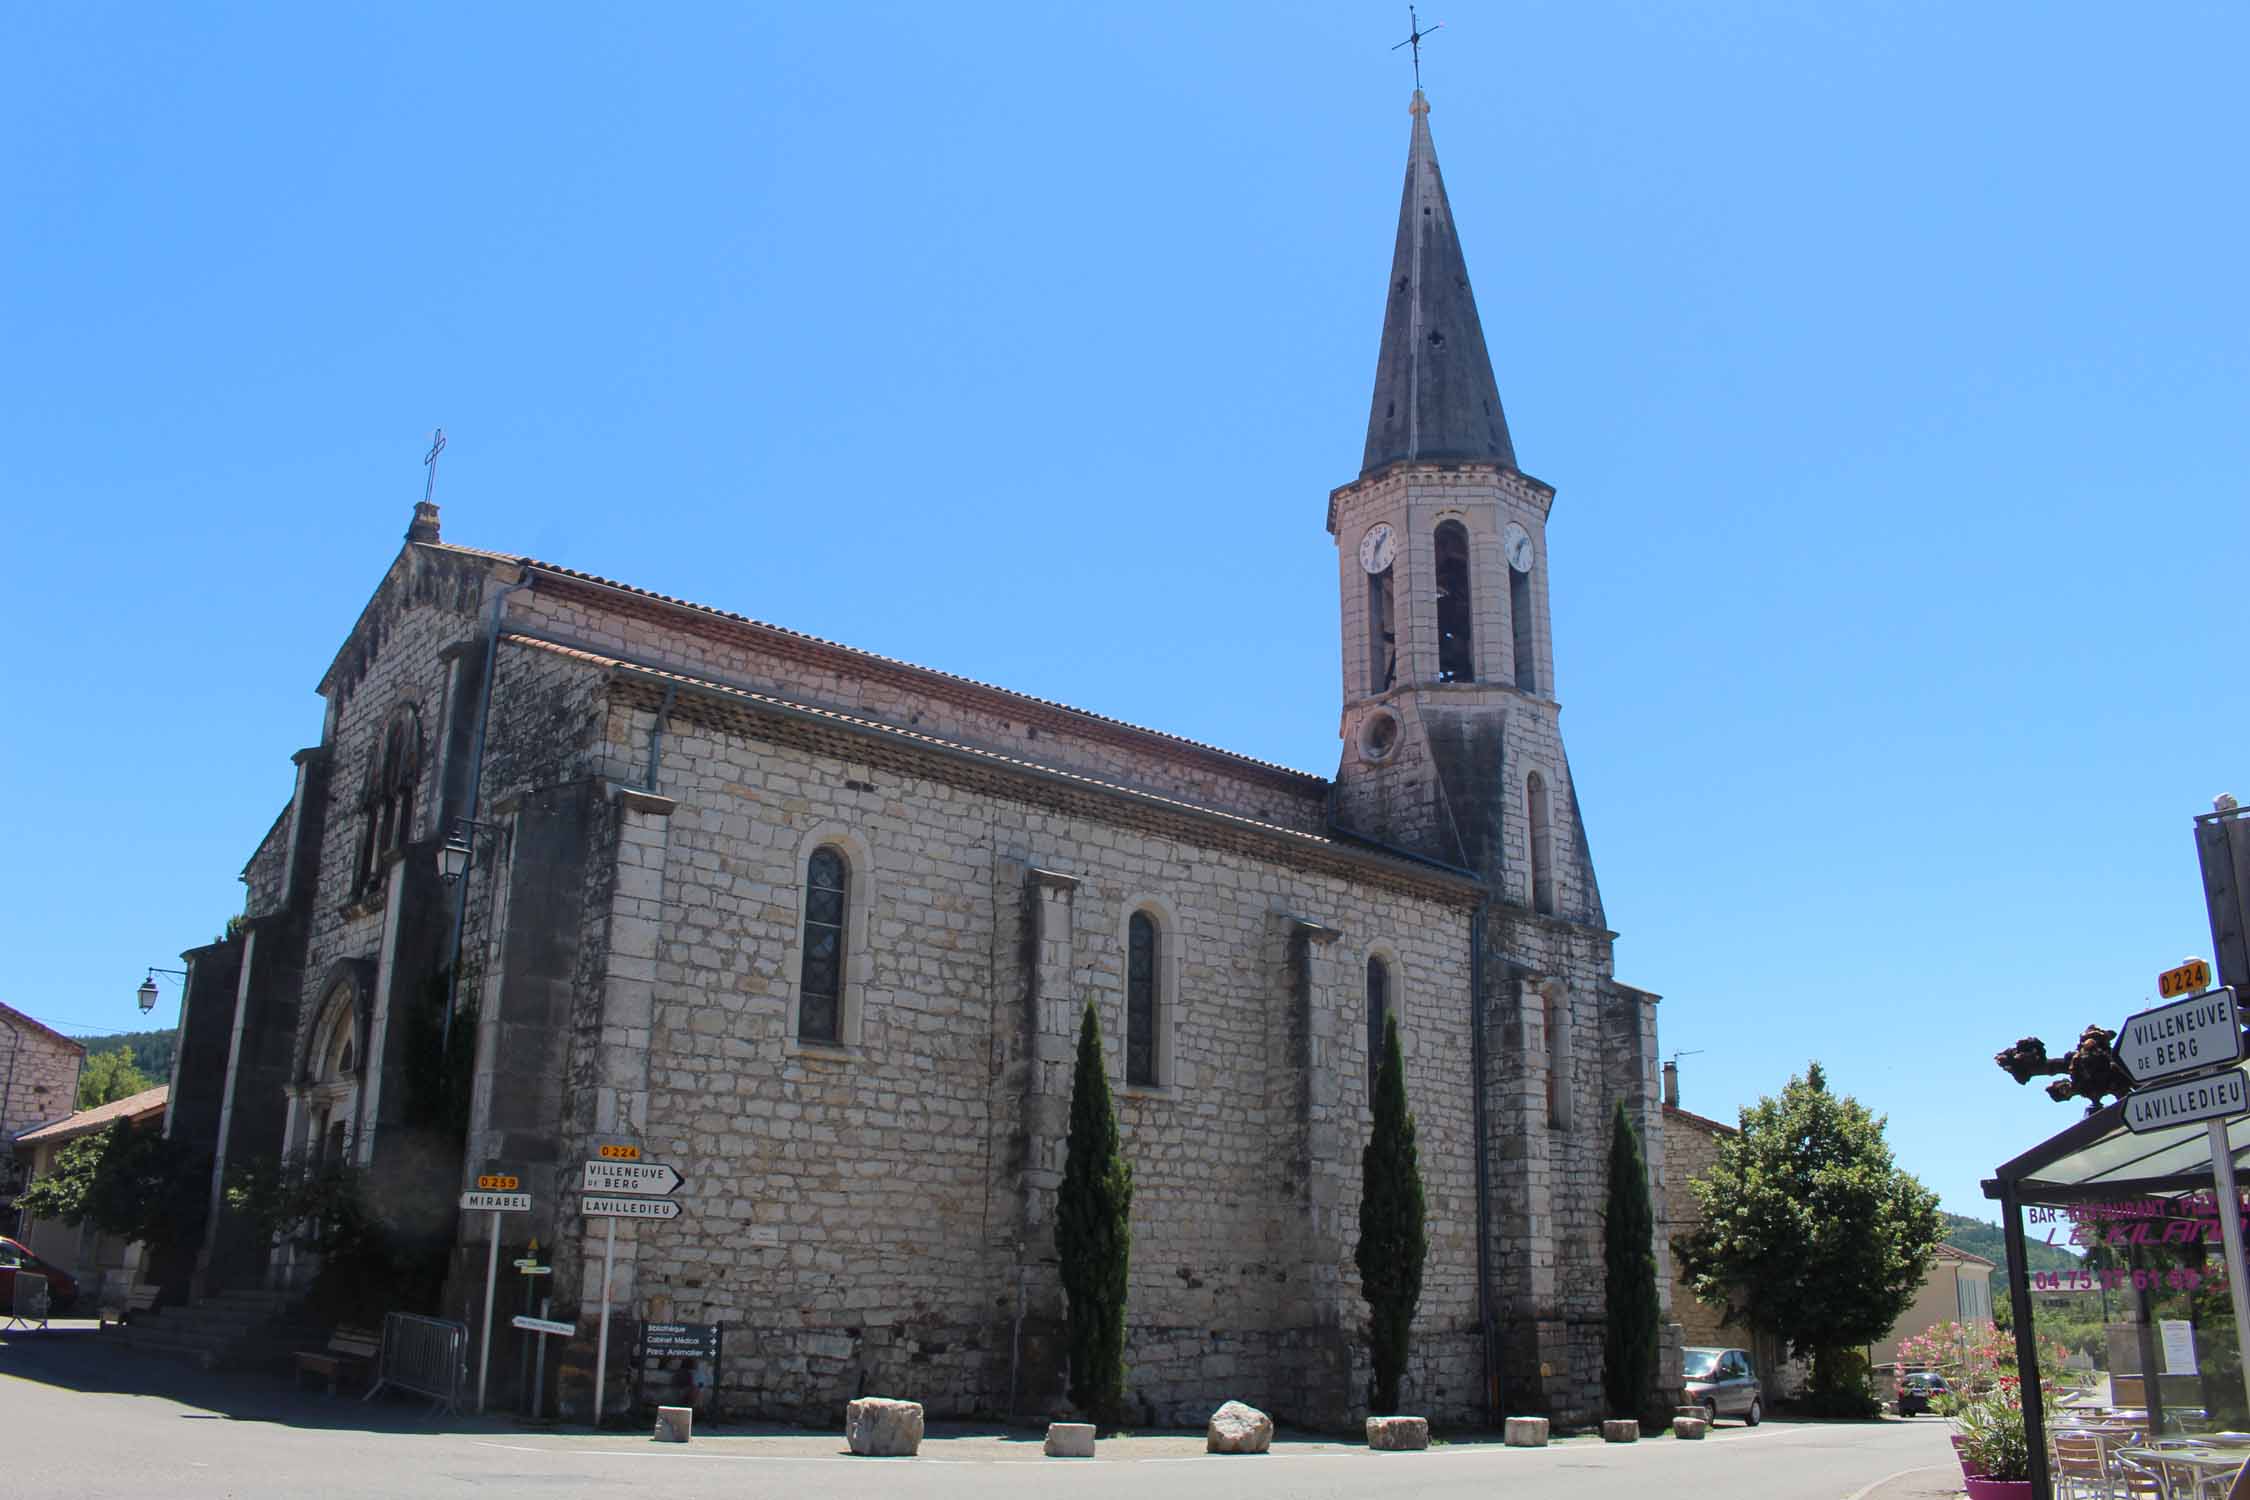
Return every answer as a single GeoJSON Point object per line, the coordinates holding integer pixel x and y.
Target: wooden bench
{"type": "Point", "coordinates": [348, 1349]}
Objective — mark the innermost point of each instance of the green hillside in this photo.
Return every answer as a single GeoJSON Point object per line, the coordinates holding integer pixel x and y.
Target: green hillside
{"type": "Point", "coordinates": [152, 1050]}
{"type": "Point", "coordinates": [1980, 1238]}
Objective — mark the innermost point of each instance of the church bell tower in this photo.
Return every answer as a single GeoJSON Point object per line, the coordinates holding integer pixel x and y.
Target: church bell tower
{"type": "Point", "coordinates": [1452, 746]}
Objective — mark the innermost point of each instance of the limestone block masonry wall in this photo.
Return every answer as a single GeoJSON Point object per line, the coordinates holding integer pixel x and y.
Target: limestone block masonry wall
{"type": "Point", "coordinates": [38, 1075]}
{"type": "Point", "coordinates": [855, 1213]}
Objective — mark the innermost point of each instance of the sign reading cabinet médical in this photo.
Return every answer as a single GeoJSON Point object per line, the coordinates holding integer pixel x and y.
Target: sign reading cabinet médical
{"type": "Point", "coordinates": [2186, 1036]}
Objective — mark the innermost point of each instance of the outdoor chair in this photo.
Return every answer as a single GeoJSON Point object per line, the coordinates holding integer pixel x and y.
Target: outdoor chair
{"type": "Point", "coordinates": [2078, 1466]}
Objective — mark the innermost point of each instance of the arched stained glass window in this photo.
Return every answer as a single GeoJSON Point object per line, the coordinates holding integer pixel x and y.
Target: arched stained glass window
{"type": "Point", "coordinates": [1141, 999]}
{"type": "Point", "coordinates": [821, 978]}
{"type": "Point", "coordinates": [1378, 1012]}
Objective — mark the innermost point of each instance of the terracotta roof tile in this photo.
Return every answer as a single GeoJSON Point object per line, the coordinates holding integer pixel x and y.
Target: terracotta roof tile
{"type": "Point", "coordinates": [131, 1107]}
{"type": "Point", "coordinates": [875, 656]}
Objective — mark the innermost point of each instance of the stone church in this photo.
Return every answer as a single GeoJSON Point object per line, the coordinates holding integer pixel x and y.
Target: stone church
{"type": "Point", "coordinates": [816, 926]}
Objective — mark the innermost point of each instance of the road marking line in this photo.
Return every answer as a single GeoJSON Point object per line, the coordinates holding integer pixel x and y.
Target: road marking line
{"type": "Point", "coordinates": [1868, 1489]}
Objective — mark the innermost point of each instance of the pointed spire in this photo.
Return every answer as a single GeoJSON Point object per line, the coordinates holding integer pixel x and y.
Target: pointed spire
{"type": "Point", "coordinates": [1435, 397]}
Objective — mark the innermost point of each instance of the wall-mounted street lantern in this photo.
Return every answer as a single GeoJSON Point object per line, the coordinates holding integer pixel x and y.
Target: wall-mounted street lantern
{"type": "Point", "coordinates": [454, 854]}
{"type": "Point", "coordinates": [145, 996]}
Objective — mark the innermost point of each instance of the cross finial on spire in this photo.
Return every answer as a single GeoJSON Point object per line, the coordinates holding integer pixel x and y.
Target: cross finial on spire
{"type": "Point", "coordinates": [425, 524]}
{"type": "Point", "coordinates": [1415, 32]}
{"type": "Point", "coordinates": [429, 461]}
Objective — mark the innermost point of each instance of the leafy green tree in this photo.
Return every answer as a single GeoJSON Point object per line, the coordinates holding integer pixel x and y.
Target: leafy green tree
{"type": "Point", "coordinates": [1094, 1234]}
{"type": "Point", "coordinates": [110, 1076]}
{"type": "Point", "coordinates": [1393, 1241]}
{"type": "Point", "coordinates": [1811, 1233]}
{"type": "Point", "coordinates": [131, 1183]}
{"type": "Point", "coordinates": [1629, 1257]}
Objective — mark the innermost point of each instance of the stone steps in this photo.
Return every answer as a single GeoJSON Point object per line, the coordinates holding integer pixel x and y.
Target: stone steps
{"type": "Point", "coordinates": [232, 1329]}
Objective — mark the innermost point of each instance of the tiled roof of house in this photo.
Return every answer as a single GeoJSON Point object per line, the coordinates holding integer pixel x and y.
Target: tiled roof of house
{"type": "Point", "coordinates": [1705, 1122]}
{"type": "Point", "coordinates": [10, 1016]}
{"type": "Point", "coordinates": [131, 1107]}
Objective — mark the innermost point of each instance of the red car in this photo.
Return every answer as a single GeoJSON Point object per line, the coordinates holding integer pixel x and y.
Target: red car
{"type": "Point", "coordinates": [62, 1287]}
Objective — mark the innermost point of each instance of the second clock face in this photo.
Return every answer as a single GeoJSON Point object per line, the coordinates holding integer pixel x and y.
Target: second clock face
{"type": "Point", "coordinates": [1517, 543]}
{"type": "Point", "coordinates": [1378, 547]}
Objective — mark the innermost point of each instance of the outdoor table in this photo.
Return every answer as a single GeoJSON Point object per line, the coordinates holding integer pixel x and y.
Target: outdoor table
{"type": "Point", "coordinates": [2209, 1466]}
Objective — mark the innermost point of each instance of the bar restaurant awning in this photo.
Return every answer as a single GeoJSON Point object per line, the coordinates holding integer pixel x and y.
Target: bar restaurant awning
{"type": "Point", "coordinates": [2098, 1160]}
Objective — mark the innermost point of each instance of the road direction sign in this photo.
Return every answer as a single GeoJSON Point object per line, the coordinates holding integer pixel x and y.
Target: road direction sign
{"type": "Point", "coordinates": [631, 1177]}
{"type": "Point", "coordinates": [594, 1206]}
{"type": "Point", "coordinates": [682, 1340]}
{"type": "Point", "coordinates": [2187, 1036]}
{"type": "Point", "coordinates": [2211, 1098]}
{"type": "Point", "coordinates": [2189, 977]}
{"type": "Point", "coordinates": [499, 1182]}
{"type": "Point", "coordinates": [619, 1152]}
{"type": "Point", "coordinates": [496, 1203]}
{"type": "Point", "coordinates": [530, 1324]}
{"type": "Point", "coordinates": [530, 1267]}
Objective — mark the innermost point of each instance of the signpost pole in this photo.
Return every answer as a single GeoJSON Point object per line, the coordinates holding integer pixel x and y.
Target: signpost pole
{"type": "Point", "coordinates": [2230, 1230]}
{"type": "Point", "coordinates": [539, 1363]}
{"type": "Point", "coordinates": [601, 1344]}
{"type": "Point", "coordinates": [491, 1284]}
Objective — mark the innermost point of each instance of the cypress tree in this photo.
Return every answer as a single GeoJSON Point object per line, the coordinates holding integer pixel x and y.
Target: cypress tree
{"type": "Point", "coordinates": [1392, 1241]}
{"type": "Point", "coordinates": [1093, 1233]}
{"type": "Point", "coordinates": [1629, 1251]}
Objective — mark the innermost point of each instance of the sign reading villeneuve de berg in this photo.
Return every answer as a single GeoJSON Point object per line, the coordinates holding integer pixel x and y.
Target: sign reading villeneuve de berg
{"type": "Point", "coordinates": [595, 1207]}
{"type": "Point", "coordinates": [631, 1177]}
{"type": "Point", "coordinates": [2210, 1098]}
{"type": "Point", "coordinates": [2186, 1036]}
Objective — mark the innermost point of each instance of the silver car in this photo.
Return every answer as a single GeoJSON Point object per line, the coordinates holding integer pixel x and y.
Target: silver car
{"type": "Point", "coordinates": [1725, 1384]}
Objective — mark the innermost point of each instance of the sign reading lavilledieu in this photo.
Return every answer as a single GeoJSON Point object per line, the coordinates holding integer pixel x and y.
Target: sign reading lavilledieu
{"type": "Point", "coordinates": [2214, 1097]}
{"type": "Point", "coordinates": [2186, 1036]}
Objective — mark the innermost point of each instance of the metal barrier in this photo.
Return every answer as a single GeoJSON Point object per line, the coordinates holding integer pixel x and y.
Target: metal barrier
{"type": "Point", "coordinates": [29, 1306]}
{"type": "Point", "coordinates": [428, 1356]}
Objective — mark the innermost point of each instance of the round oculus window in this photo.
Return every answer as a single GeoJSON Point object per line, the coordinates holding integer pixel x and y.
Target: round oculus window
{"type": "Point", "coordinates": [1378, 735]}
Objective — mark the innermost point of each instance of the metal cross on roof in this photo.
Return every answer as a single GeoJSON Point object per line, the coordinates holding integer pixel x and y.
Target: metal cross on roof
{"type": "Point", "coordinates": [1416, 31]}
{"type": "Point", "coordinates": [437, 446]}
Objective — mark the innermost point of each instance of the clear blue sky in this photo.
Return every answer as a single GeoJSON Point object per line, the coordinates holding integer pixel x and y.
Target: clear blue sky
{"type": "Point", "coordinates": [1890, 361]}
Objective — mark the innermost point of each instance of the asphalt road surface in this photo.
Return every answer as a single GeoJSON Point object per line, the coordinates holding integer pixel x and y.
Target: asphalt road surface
{"type": "Point", "coordinates": [81, 1418]}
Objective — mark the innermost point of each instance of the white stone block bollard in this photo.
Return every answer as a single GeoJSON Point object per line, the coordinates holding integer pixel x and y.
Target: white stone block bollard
{"type": "Point", "coordinates": [1398, 1434]}
{"type": "Point", "coordinates": [674, 1424]}
{"type": "Point", "coordinates": [1621, 1430]}
{"type": "Point", "coordinates": [1236, 1428]}
{"type": "Point", "coordinates": [1691, 1428]}
{"type": "Point", "coordinates": [878, 1427]}
{"type": "Point", "coordinates": [1525, 1432]}
{"type": "Point", "coordinates": [1070, 1440]}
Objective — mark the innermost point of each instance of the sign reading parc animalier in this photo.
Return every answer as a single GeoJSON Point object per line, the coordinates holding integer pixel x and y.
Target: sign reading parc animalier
{"type": "Point", "coordinates": [2186, 1036]}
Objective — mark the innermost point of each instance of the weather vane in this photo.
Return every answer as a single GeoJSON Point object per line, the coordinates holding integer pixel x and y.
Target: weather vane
{"type": "Point", "coordinates": [437, 446]}
{"type": "Point", "coordinates": [1414, 39]}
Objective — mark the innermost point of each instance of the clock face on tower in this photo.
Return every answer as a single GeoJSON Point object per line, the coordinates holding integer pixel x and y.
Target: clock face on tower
{"type": "Point", "coordinates": [1378, 547]}
{"type": "Point", "coordinates": [1517, 543]}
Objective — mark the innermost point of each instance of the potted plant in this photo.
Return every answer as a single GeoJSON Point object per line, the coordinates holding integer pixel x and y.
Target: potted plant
{"type": "Point", "coordinates": [1995, 1455]}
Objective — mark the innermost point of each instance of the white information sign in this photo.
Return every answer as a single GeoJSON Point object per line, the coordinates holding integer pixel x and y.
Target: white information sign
{"type": "Point", "coordinates": [2179, 1346]}
{"type": "Point", "coordinates": [530, 1324]}
{"type": "Point", "coordinates": [631, 1177]}
{"type": "Point", "coordinates": [496, 1203]}
{"type": "Point", "coordinates": [596, 1207]}
{"type": "Point", "coordinates": [2186, 1036]}
{"type": "Point", "coordinates": [2213, 1098]}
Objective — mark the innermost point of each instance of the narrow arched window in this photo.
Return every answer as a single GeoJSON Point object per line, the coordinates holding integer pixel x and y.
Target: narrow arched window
{"type": "Point", "coordinates": [388, 800]}
{"type": "Point", "coordinates": [1542, 845]}
{"type": "Point", "coordinates": [1519, 619]}
{"type": "Point", "coordinates": [1141, 999]}
{"type": "Point", "coordinates": [1378, 1015]}
{"type": "Point", "coordinates": [1457, 652]}
{"type": "Point", "coordinates": [1382, 634]}
{"type": "Point", "coordinates": [1557, 1017]}
{"type": "Point", "coordinates": [821, 978]}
